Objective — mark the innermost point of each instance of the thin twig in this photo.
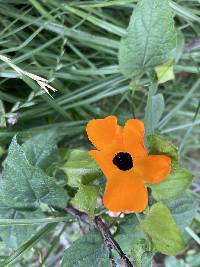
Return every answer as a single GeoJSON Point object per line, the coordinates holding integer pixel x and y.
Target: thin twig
{"type": "Point", "coordinates": [102, 227]}
{"type": "Point", "coordinates": [82, 216]}
{"type": "Point", "coordinates": [105, 234]}
{"type": "Point", "coordinates": [109, 241]}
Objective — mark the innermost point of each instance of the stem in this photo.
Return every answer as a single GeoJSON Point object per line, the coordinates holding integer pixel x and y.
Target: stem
{"type": "Point", "coordinates": [109, 241]}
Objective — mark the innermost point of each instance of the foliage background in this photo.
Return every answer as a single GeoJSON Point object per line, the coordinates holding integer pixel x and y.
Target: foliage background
{"type": "Point", "coordinates": [75, 45]}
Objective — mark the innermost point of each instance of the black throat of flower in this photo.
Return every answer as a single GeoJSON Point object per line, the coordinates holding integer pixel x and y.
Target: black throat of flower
{"type": "Point", "coordinates": [123, 161]}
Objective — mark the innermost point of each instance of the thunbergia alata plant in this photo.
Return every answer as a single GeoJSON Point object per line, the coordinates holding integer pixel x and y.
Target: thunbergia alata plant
{"type": "Point", "coordinates": [129, 192]}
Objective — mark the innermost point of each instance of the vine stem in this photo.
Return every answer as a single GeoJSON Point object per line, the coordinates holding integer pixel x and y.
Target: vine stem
{"type": "Point", "coordinates": [109, 241]}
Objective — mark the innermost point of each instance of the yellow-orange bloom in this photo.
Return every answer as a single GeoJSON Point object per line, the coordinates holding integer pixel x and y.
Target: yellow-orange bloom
{"type": "Point", "coordinates": [123, 158]}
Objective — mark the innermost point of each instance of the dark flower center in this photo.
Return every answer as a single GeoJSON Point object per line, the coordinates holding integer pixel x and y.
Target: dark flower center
{"type": "Point", "coordinates": [123, 161]}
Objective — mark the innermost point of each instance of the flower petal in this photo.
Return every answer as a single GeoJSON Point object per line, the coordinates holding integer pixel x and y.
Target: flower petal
{"type": "Point", "coordinates": [125, 192]}
{"type": "Point", "coordinates": [102, 132]}
{"type": "Point", "coordinates": [133, 136]}
{"type": "Point", "coordinates": [153, 168]}
{"type": "Point", "coordinates": [104, 161]}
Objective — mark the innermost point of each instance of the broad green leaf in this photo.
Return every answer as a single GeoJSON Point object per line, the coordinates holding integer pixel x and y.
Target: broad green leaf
{"type": "Point", "coordinates": [80, 168]}
{"type": "Point", "coordinates": [183, 209]}
{"type": "Point", "coordinates": [141, 255]}
{"type": "Point", "coordinates": [153, 112]}
{"type": "Point", "coordinates": [86, 198]}
{"type": "Point", "coordinates": [25, 186]}
{"type": "Point", "coordinates": [160, 146]}
{"type": "Point", "coordinates": [88, 251]}
{"type": "Point", "coordinates": [41, 150]}
{"type": "Point", "coordinates": [161, 227]}
{"type": "Point", "coordinates": [150, 38]}
{"type": "Point", "coordinates": [2, 113]}
{"type": "Point", "coordinates": [165, 72]}
{"type": "Point", "coordinates": [173, 186]}
{"type": "Point", "coordinates": [128, 233]}
{"type": "Point", "coordinates": [14, 235]}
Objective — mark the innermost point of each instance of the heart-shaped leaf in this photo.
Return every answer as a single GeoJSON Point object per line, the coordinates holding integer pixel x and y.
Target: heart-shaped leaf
{"type": "Point", "coordinates": [145, 46]}
{"type": "Point", "coordinates": [24, 186]}
{"type": "Point", "coordinates": [86, 198]}
{"type": "Point", "coordinates": [161, 227]}
{"type": "Point", "coordinates": [173, 186]}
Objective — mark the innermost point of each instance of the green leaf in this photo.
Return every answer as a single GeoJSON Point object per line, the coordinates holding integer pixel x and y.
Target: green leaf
{"type": "Point", "coordinates": [158, 105]}
{"type": "Point", "coordinates": [14, 235]}
{"type": "Point", "coordinates": [173, 186]}
{"type": "Point", "coordinates": [165, 72]}
{"type": "Point", "coordinates": [88, 251]}
{"type": "Point", "coordinates": [86, 198]}
{"type": "Point", "coordinates": [41, 150]}
{"type": "Point", "coordinates": [180, 46]}
{"type": "Point", "coordinates": [24, 186]}
{"type": "Point", "coordinates": [183, 209]}
{"type": "Point", "coordinates": [80, 168]}
{"type": "Point", "coordinates": [178, 180]}
{"type": "Point", "coordinates": [161, 227]}
{"type": "Point", "coordinates": [30, 243]}
{"type": "Point", "coordinates": [128, 233]}
{"type": "Point", "coordinates": [141, 255]}
{"type": "Point", "coordinates": [150, 38]}
{"type": "Point", "coordinates": [160, 146]}
{"type": "Point", "coordinates": [153, 112]}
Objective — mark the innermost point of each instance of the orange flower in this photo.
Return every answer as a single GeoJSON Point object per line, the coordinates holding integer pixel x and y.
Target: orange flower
{"type": "Point", "coordinates": [122, 156]}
